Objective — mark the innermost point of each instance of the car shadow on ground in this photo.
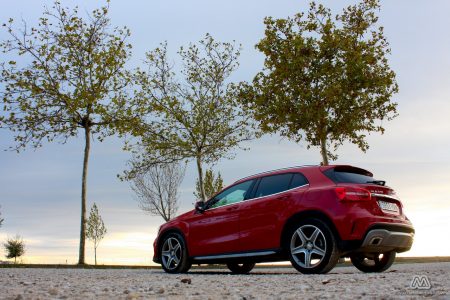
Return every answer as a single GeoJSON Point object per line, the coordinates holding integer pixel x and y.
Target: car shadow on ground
{"type": "Point", "coordinates": [253, 273]}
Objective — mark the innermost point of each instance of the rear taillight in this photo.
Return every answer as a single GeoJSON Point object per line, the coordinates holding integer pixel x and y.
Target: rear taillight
{"type": "Point", "coordinates": [352, 194]}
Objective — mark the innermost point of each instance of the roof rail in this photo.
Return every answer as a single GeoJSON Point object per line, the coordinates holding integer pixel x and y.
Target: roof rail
{"type": "Point", "coordinates": [281, 169]}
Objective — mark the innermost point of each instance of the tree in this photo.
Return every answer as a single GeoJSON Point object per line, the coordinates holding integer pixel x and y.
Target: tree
{"type": "Point", "coordinates": [15, 247]}
{"type": "Point", "coordinates": [96, 229]}
{"type": "Point", "coordinates": [212, 185]}
{"type": "Point", "coordinates": [325, 79]}
{"type": "Point", "coordinates": [73, 79]}
{"type": "Point", "coordinates": [157, 189]}
{"type": "Point", "coordinates": [1, 219]}
{"type": "Point", "coordinates": [198, 118]}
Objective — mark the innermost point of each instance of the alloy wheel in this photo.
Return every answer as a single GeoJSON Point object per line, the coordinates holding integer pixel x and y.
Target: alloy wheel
{"type": "Point", "coordinates": [171, 253]}
{"type": "Point", "coordinates": [308, 246]}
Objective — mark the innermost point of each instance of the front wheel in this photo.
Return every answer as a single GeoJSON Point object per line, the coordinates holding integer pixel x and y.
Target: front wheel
{"type": "Point", "coordinates": [174, 256]}
{"type": "Point", "coordinates": [312, 247]}
{"type": "Point", "coordinates": [377, 262]}
{"type": "Point", "coordinates": [240, 268]}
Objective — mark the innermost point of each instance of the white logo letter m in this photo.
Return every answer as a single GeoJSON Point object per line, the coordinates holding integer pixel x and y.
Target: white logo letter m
{"type": "Point", "coordinates": [420, 282]}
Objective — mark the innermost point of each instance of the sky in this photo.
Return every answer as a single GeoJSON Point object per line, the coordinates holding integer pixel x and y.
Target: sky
{"type": "Point", "coordinates": [40, 189]}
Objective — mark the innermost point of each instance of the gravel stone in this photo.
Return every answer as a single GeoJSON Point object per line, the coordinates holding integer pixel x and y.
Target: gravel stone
{"type": "Point", "coordinates": [132, 296]}
{"type": "Point", "coordinates": [262, 283]}
{"type": "Point", "coordinates": [53, 292]}
{"type": "Point", "coordinates": [186, 280]}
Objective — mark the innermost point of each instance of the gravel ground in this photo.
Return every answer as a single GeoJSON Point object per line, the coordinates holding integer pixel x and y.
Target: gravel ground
{"type": "Point", "coordinates": [262, 283]}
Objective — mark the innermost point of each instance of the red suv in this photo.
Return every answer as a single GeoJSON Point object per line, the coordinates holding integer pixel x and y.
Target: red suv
{"type": "Point", "coordinates": [310, 215]}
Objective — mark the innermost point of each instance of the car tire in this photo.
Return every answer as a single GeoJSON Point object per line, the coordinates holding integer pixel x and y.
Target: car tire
{"type": "Point", "coordinates": [173, 254]}
{"type": "Point", "coordinates": [376, 263]}
{"type": "Point", "coordinates": [240, 268]}
{"type": "Point", "coordinates": [312, 247]}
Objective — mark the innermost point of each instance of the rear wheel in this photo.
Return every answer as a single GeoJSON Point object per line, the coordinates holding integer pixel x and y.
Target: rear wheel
{"type": "Point", "coordinates": [312, 247]}
{"type": "Point", "coordinates": [376, 262]}
{"type": "Point", "coordinates": [240, 268]}
{"type": "Point", "coordinates": [174, 256]}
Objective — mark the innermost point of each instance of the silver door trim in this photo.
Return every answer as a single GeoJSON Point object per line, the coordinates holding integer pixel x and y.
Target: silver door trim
{"type": "Point", "coordinates": [248, 254]}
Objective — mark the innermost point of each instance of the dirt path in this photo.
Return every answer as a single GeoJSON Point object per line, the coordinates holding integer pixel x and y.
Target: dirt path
{"type": "Point", "coordinates": [262, 283]}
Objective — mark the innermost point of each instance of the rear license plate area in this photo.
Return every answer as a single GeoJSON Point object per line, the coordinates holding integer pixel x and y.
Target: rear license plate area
{"type": "Point", "coordinates": [389, 207]}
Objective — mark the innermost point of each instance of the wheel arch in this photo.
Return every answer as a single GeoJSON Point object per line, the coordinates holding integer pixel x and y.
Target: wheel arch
{"type": "Point", "coordinates": [308, 214]}
{"type": "Point", "coordinates": [168, 231]}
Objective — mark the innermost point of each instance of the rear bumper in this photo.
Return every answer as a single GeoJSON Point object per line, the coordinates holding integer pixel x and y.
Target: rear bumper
{"type": "Point", "coordinates": [382, 237]}
{"type": "Point", "coordinates": [383, 240]}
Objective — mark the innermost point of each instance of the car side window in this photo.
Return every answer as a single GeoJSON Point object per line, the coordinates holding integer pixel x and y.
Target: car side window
{"type": "Point", "coordinates": [234, 194]}
{"type": "Point", "coordinates": [298, 180]}
{"type": "Point", "coordinates": [273, 184]}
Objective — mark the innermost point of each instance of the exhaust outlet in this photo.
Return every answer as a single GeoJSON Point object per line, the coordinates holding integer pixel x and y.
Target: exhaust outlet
{"type": "Point", "coordinates": [376, 241]}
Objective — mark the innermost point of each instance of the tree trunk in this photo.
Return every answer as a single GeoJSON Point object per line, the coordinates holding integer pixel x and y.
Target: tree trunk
{"type": "Point", "coordinates": [323, 151]}
{"type": "Point", "coordinates": [87, 132]}
{"type": "Point", "coordinates": [200, 178]}
{"type": "Point", "coordinates": [95, 255]}
{"type": "Point", "coordinates": [15, 259]}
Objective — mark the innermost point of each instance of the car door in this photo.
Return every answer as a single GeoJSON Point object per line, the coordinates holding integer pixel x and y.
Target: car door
{"type": "Point", "coordinates": [216, 230]}
{"type": "Point", "coordinates": [263, 216]}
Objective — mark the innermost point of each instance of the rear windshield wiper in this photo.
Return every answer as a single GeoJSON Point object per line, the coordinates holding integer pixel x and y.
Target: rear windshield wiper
{"type": "Point", "coordinates": [379, 182]}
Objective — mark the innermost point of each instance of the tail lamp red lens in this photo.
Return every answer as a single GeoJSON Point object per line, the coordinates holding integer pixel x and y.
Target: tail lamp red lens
{"type": "Point", "coordinates": [352, 194]}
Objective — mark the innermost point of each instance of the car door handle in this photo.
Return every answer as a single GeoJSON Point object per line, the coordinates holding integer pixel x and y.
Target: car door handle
{"type": "Point", "coordinates": [284, 197]}
{"type": "Point", "coordinates": [234, 207]}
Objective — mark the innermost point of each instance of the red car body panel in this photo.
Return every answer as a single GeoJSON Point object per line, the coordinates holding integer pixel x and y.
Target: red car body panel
{"type": "Point", "coordinates": [261, 220]}
{"type": "Point", "coordinates": [214, 231]}
{"type": "Point", "coordinates": [257, 224]}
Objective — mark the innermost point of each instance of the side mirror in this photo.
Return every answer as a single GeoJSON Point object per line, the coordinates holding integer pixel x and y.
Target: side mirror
{"type": "Point", "coordinates": [200, 206]}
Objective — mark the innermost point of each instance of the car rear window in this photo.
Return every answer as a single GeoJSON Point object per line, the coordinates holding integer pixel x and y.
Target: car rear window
{"type": "Point", "coordinates": [298, 180]}
{"type": "Point", "coordinates": [349, 175]}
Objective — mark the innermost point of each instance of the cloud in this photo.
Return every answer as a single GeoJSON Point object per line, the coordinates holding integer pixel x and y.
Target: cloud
{"type": "Point", "coordinates": [40, 190]}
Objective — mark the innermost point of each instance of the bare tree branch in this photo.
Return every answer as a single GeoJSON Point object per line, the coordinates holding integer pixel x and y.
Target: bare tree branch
{"type": "Point", "coordinates": [156, 189]}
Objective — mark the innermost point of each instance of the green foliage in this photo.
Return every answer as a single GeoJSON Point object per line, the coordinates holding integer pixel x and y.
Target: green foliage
{"type": "Point", "coordinates": [14, 247]}
{"type": "Point", "coordinates": [74, 77]}
{"type": "Point", "coordinates": [197, 118]}
{"type": "Point", "coordinates": [212, 185]}
{"type": "Point", "coordinates": [69, 75]}
{"type": "Point", "coordinates": [96, 229]}
{"type": "Point", "coordinates": [326, 78]}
